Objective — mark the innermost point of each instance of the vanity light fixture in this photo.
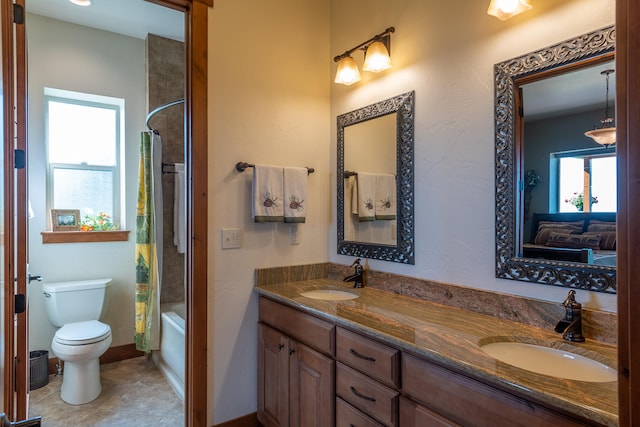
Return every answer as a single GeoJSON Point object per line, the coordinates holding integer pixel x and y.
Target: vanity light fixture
{"type": "Point", "coordinates": [376, 58]}
{"type": "Point", "coordinates": [81, 2]}
{"type": "Point", "coordinates": [505, 9]}
{"type": "Point", "coordinates": [605, 135]}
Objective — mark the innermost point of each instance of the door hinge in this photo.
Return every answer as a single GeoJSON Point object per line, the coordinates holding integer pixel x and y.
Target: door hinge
{"type": "Point", "coordinates": [20, 303]}
{"type": "Point", "coordinates": [19, 159]}
{"type": "Point", "coordinates": [18, 14]}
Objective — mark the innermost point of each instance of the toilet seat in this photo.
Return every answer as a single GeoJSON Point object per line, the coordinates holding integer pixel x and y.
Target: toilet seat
{"type": "Point", "coordinates": [82, 333]}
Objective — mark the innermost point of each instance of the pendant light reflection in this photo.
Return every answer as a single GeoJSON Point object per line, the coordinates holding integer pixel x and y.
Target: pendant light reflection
{"type": "Point", "coordinates": [505, 9]}
{"type": "Point", "coordinates": [81, 2]}
{"type": "Point", "coordinates": [376, 58]}
{"type": "Point", "coordinates": [605, 135]}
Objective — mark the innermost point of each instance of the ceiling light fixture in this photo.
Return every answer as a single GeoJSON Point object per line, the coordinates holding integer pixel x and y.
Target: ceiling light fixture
{"type": "Point", "coordinates": [505, 9]}
{"type": "Point", "coordinates": [81, 2]}
{"type": "Point", "coordinates": [605, 135]}
{"type": "Point", "coordinates": [376, 56]}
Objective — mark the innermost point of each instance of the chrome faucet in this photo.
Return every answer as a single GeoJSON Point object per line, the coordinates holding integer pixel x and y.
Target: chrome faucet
{"type": "Point", "coordinates": [358, 278]}
{"type": "Point", "coordinates": [571, 326]}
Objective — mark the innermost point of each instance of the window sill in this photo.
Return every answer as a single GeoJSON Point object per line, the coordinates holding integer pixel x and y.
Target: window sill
{"type": "Point", "coordinates": [84, 236]}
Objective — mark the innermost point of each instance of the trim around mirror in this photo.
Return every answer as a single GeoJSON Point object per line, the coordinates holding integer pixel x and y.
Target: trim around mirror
{"type": "Point", "coordinates": [403, 251]}
{"type": "Point", "coordinates": [508, 179]}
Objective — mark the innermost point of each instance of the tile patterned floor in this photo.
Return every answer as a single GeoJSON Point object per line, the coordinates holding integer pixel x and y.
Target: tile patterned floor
{"type": "Point", "coordinates": [134, 393]}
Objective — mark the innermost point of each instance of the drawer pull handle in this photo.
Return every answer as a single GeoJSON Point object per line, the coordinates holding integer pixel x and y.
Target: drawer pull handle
{"type": "Point", "coordinates": [362, 356]}
{"type": "Point", "coordinates": [281, 346]}
{"type": "Point", "coordinates": [291, 351]}
{"type": "Point", "coordinates": [362, 396]}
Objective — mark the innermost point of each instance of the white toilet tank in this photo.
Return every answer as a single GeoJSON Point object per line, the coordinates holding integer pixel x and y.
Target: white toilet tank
{"type": "Point", "coordinates": [68, 302]}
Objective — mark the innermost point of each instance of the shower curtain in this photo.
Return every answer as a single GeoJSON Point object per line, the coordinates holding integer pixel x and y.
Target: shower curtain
{"type": "Point", "coordinates": [149, 227]}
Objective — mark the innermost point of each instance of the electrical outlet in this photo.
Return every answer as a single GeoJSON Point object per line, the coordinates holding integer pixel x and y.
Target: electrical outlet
{"type": "Point", "coordinates": [231, 238]}
{"type": "Point", "coordinates": [293, 235]}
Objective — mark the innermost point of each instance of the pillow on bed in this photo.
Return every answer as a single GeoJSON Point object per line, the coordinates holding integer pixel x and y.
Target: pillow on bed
{"type": "Point", "coordinates": [574, 241]}
{"type": "Point", "coordinates": [608, 241]}
{"type": "Point", "coordinates": [546, 227]}
{"type": "Point", "coordinates": [595, 225]}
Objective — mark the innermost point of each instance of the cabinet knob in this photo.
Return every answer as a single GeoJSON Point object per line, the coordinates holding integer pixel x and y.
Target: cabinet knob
{"type": "Point", "coordinates": [291, 351]}
{"type": "Point", "coordinates": [281, 346]}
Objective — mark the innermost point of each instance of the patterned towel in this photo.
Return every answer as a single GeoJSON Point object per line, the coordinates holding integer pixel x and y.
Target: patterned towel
{"type": "Point", "coordinates": [385, 197]}
{"type": "Point", "coordinates": [295, 194]}
{"type": "Point", "coordinates": [268, 199]}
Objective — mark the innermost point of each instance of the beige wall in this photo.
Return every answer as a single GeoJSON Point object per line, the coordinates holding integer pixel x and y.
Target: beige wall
{"type": "Point", "coordinates": [445, 51]}
{"type": "Point", "coordinates": [72, 57]}
{"type": "Point", "coordinates": [268, 103]}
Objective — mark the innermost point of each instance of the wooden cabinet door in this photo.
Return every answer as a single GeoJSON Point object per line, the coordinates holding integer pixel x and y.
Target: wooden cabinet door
{"type": "Point", "coordinates": [273, 377]}
{"type": "Point", "coordinates": [415, 415]}
{"type": "Point", "coordinates": [312, 388]}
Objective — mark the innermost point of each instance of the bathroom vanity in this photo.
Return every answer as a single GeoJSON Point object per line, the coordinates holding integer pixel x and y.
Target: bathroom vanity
{"type": "Point", "coordinates": [381, 359]}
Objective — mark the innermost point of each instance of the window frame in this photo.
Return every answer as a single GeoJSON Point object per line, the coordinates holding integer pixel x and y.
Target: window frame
{"type": "Point", "coordinates": [587, 155]}
{"type": "Point", "coordinates": [96, 101]}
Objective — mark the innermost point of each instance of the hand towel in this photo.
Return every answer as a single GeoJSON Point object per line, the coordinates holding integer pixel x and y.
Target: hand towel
{"type": "Point", "coordinates": [366, 197]}
{"type": "Point", "coordinates": [179, 224]}
{"type": "Point", "coordinates": [268, 199]}
{"type": "Point", "coordinates": [352, 189]}
{"type": "Point", "coordinates": [295, 194]}
{"type": "Point", "coordinates": [385, 197]}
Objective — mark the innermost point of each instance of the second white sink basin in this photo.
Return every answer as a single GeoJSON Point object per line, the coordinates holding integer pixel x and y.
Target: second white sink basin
{"type": "Point", "coordinates": [550, 361]}
{"type": "Point", "coordinates": [329, 294]}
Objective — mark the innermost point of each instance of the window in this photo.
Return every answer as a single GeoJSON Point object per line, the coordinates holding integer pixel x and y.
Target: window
{"type": "Point", "coordinates": [83, 134]}
{"type": "Point", "coordinates": [581, 174]}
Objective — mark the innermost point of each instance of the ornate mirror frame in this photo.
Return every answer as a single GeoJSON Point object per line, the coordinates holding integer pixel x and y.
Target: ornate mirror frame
{"type": "Point", "coordinates": [507, 167]}
{"type": "Point", "coordinates": [403, 251]}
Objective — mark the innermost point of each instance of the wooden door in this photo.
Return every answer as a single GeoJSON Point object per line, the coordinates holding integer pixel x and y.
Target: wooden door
{"type": "Point", "coordinates": [14, 339]}
{"type": "Point", "coordinates": [312, 387]}
{"type": "Point", "coordinates": [273, 377]}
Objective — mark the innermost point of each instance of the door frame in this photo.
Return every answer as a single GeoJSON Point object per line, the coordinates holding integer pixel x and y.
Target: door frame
{"type": "Point", "coordinates": [196, 171]}
{"type": "Point", "coordinates": [196, 164]}
{"type": "Point", "coordinates": [628, 150]}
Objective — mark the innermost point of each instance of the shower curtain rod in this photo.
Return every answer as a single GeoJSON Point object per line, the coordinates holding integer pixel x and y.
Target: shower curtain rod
{"type": "Point", "coordinates": [160, 108]}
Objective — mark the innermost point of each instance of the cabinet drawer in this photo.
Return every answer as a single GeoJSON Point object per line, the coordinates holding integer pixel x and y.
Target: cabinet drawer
{"type": "Point", "coordinates": [371, 397]}
{"type": "Point", "coordinates": [470, 402]}
{"type": "Point", "coordinates": [369, 357]}
{"type": "Point", "coordinates": [348, 416]}
{"type": "Point", "coordinates": [314, 332]}
{"type": "Point", "coordinates": [414, 415]}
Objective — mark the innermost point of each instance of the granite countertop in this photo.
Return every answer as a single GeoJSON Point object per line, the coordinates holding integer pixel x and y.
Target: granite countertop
{"type": "Point", "coordinates": [452, 337]}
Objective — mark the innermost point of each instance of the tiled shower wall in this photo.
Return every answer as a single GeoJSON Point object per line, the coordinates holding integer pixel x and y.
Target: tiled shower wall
{"type": "Point", "coordinates": [165, 83]}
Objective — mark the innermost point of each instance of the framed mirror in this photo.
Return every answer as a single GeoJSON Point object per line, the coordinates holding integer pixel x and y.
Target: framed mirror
{"type": "Point", "coordinates": [375, 181]}
{"type": "Point", "coordinates": [534, 147]}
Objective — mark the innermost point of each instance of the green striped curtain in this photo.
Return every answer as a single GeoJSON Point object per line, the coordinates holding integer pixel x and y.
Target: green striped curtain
{"type": "Point", "coordinates": [147, 280]}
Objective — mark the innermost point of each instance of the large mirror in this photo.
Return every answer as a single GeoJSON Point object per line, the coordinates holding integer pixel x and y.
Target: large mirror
{"type": "Point", "coordinates": [555, 187]}
{"type": "Point", "coordinates": [375, 181]}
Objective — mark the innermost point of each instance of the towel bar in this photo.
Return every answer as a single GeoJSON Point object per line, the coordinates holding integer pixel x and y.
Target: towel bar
{"type": "Point", "coordinates": [241, 166]}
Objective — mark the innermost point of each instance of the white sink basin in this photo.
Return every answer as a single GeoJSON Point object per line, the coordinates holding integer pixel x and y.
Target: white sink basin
{"type": "Point", "coordinates": [329, 294]}
{"type": "Point", "coordinates": [550, 361]}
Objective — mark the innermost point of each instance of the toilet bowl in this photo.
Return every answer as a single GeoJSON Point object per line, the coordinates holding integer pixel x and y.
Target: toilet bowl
{"type": "Point", "coordinates": [75, 308]}
{"type": "Point", "coordinates": [79, 345]}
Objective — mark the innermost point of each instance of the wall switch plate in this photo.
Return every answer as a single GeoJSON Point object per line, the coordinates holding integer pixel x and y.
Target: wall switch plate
{"type": "Point", "coordinates": [231, 238]}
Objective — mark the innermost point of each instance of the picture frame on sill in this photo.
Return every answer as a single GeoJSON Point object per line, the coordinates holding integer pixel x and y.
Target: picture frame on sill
{"type": "Point", "coordinates": [65, 219]}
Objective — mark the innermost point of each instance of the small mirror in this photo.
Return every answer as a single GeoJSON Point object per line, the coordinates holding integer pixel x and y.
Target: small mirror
{"type": "Point", "coordinates": [546, 166]}
{"type": "Point", "coordinates": [375, 181]}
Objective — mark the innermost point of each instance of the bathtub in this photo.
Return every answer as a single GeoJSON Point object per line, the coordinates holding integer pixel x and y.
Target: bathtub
{"type": "Point", "coordinates": [170, 358]}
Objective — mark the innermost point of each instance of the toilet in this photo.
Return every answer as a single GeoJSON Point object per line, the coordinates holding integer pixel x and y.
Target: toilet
{"type": "Point", "coordinates": [76, 307]}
